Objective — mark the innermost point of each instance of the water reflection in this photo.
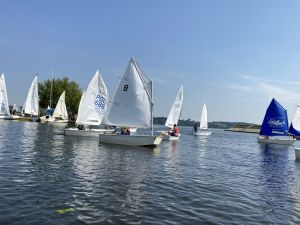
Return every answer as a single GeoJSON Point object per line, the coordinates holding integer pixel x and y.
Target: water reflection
{"type": "Point", "coordinates": [275, 177]}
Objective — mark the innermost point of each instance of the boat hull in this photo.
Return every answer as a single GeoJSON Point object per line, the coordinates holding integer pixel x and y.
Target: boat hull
{"type": "Point", "coordinates": [297, 153]}
{"type": "Point", "coordinates": [129, 140]}
{"type": "Point", "coordinates": [202, 133]}
{"type": "Point", "coordinates": [6, 117]}
{"type": "Point", "coordinates": [167, 137]}
{"type": "Point", "coordinates": [281, 140]}
{"type": "Point", "coordinates": [51, 119]}
{"type": "Point", "coordinates": [87, 133]}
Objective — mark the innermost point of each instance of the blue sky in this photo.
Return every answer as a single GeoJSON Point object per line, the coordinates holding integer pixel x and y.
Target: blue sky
{"type": "Point", "coordinates": [233, 55]}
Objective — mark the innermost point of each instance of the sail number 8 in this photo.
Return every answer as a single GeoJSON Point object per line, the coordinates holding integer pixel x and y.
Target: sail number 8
{"type": "Point", "coordinates": [100, 102]}
{"type": "Point", "coordinates": [125, 88]}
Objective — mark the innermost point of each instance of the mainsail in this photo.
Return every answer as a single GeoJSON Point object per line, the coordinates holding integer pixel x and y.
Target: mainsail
{"type": "Point", "coordinates": [31, 105]}
{"type": "Point", "coordinates": [61, 109]}
{"type": "Point", "coordinates": [176, 109]}
{"type": "Point", "coordinates": [203, 122]}
{"type": "Point", "coordinates": [93, 103]}
{"type": "Point", "coordinates": [80, 116]}
{"type": "Point", "coordinates": [295, 125]}
{"type": "Point", "coordinates": [275, 122]}
{"type": "Point", "coordinates": [131, 104]}
{"type": "Point", "coordinates": [4, 107]}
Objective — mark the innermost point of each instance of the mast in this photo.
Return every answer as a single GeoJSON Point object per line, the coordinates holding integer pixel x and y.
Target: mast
{"type": "Point", "coordinates": [152, 108]}
{"type": "Point", "coordinates": [51, 90]}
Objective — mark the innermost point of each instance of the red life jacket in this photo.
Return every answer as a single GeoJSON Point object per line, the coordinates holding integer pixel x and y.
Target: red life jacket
{"type": "Point", "coordinates": [176, 130]}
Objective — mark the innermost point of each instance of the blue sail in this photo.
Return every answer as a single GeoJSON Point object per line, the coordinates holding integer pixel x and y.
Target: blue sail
{"type": "Point", "coordinates": [293, 131]}
{"type": "Point", "coordinates": [275, 122]}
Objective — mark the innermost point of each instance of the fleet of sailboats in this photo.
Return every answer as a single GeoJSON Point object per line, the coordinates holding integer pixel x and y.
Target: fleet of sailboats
{"type": "Point", "coordinates": [131, 106]}
{"type": "Point", "coordinates": [203, 124]}
{"type": "Point", "coordinates": [174, 116]}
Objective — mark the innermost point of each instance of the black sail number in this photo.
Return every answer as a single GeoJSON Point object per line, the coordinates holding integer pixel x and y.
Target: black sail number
{"type": "Point", "coordinates": [125, 88]}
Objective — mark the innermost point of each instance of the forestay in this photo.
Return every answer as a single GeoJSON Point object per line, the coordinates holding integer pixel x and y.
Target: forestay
{"type": "Point", "coordinates": [295, 125]}
{"type": "Point", "coordinates": [93, 103]}
{"type": "Point", "coordinates": [61, 109]}
{"type": "Point", "coordinates": [203, 122]}
{"type": "Point", "coordinates": [131, 105]}
{"type": "Point", "coordinates": [176, 109]}
{"type": "Point", "coordinates": [4, 107]}
{"type": "Point", "coordinates": [31, 105]}
{"type": "Point", "coordinates": [275, 122]}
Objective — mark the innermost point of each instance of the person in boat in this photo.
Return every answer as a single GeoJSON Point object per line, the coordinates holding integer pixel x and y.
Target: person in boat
{"type": "Point", "coordinates": [175, 131]}
{"type": "Point", "coordinates": [195, 128]}
{"type": "Point", "coordinates": [81, 127]}
{"type": "Point", "coordinates": [125, 131]}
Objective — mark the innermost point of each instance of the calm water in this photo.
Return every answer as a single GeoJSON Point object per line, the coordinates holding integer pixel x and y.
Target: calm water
{"type": "Point", "coordinates": [227, 178]}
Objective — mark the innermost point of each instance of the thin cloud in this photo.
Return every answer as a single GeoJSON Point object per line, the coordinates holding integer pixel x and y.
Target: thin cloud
{"type": "Point", "coordinates": [239, 87]}
{"type": "Point", "coordinates": [259, 79]}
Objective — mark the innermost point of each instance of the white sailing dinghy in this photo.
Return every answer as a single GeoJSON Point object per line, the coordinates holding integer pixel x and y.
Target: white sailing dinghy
{"type": "Point", "coordinates": [203, 124]}
{"type": "Point", "coordinates": [92, 107]}
{"type": "Point", "coordinates": [60, 114]}
{"type": "Point", "coordinates": [274, 129]}
{"type": "Point", "coordinates": [31, 105]}
{"type": "Point", "coordinates": [131, 106]}
{"type": "Point", "coordinates": [4, 107]}
{"type": "Point", "coordinates": [174, 115]}
{"type": "Point", "coordinates": [295, 125]}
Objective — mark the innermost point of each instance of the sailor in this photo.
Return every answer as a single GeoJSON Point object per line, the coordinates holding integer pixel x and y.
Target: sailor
{"type": "Point", "coordinates": [195, 128]}
{"type": "Point", "coordinates": [175, 131]}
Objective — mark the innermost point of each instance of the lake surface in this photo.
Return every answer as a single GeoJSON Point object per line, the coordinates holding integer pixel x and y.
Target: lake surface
{"type": "Point", "coordinates": [226, 178]}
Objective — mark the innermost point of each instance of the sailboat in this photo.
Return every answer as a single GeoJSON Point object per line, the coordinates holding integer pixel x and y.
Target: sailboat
{"type": "Point", "coordinates": [295, 125]}
{"type": "Point", "coordinates": [4, 107]}
{"type": "Point", "coordinates": [274, 129]}
{"type": "Point", "coordinates": [60, 114]}
{"type": "Point", "coordinates": [203, 124]}
{"type": "Point", "coordinates": [131, 106]}
{"type": "Point", "coordinates": [31, 105]}
{"type": "Point", "coordinates": [92, 107]}
{"type": "Point", "coordinates": [174, 115]}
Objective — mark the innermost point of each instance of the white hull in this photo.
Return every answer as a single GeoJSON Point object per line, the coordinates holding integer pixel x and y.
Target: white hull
{"type": "Point", "coordinates": [202, 133]}
{"type": "Point", "coordinates": [6, 117]}
{"type": "Point", "coordinates": [51, 119]}
{"type": "Point", "coordinates": [129, 140]}
{"type": "Point", "coordinates": [132, 129]}
{"type": "Point", "coordinates": [87, 133]}
{"type": "Point", "coordinates": [166, 136]}
{"type": "Point", "coordinates": [281, 140]}
{"type": "Point", "coordinates": [297, 153]}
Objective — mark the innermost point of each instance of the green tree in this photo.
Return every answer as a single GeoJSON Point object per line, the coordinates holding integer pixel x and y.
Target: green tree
{"type": "Point", "coordinates": [73, 93]}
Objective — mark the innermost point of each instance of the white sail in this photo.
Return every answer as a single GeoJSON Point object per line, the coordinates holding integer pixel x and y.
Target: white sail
{"type": "Point", "coordinates": [176, 109]}
{"type": "Point", "coordinates": [32, 101]}
{"type": "Point", "coordinates": [61, 109]}
{"type": "Point", "coordinates": [131, 105]}
{"type": "Point", "coordinates": [80, 118]}
{"type": "Point", "coordinates": [203, 122]}
{"type": "Point", "coordinates": [4, 107]}
{"type": "Point", "coordinates": [296, 119]}
{"type": "Point", "coordinates": [94, 102]}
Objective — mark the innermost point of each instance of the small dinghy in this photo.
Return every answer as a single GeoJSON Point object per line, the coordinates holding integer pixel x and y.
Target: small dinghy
{"type": "Point", "coordinates": [203, 124]}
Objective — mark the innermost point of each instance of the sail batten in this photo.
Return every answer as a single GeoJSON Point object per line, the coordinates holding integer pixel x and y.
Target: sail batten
{"type": "Point", "coordinates": [176, 109]}
{"type": "Point", "coordinates": [275, 122]}
{"type": "Point", "coordinates": [131, 104]}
